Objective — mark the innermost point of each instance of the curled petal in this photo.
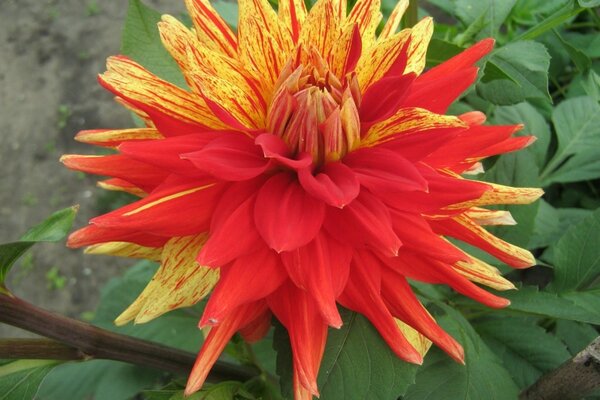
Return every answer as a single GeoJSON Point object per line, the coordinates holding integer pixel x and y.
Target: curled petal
{"type": "Point", "coordinates": [275, 148]}
{"type": "Point", "coordinates": [336, 184]}
{"type": "Point", "coordinates": [285, 215]}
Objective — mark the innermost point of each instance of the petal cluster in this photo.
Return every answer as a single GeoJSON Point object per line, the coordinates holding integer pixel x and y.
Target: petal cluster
{"type": "Point", "coordinates": [309, 164]}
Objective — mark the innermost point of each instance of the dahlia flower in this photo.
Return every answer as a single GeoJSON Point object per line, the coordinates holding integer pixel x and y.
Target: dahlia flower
{"type": "Point", "coordinates": [308, 164]}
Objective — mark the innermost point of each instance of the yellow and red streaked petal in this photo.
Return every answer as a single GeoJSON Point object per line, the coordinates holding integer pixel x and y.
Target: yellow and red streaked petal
{"type": "Point", "coordinates": [92, 234]}
{"type": "Point", "coordinates": [114, 137]}
{"type": "Point", "coordinates": [121, 185]}
{"type": "Point", "coordinates": [124, 249]}
{"type": "Point", "coordinates": [212, 31]}
{"type": "Point", "coordinates": [481, 272]}
{"type": "Point", "coordinates": [299, 313]}
{"type": "Point", "coordinates": [482, 216]}
{"type": "Point", "coordinates": [142, 175]}
{"type": "Point", "coordinates": [408, 121]}
{"type": "Point", "coordinates": [420, 35]}
{"type": "Point", "coordinates": [414, 337]}
{"type": "Point", "coordinates": [322, 26]}
{"type": "Point", "coordinates": [500, 194]}
{"type": "Point", "coordinates": [377, 60]}
{"type": "Point", "coordinates": [282, 198]}
{"type": "Point", "coordinates": [321, 268]}
{"type": "Point", "coordinates": [292, 13]}
{"type": "Point", "coordinates": [216, 341]}
{"type": "Point", "coordinates": [362, 294]}
{"type": "Point", "coordinates": [219, 78]}
{"type": "Point", "coordinates": [403, 304]}
{"type": "Point", "coordinates": [264, 42]}
{"type": "Point", "coordinates": [173, 110]}
{"type": "Point", "coordinates": [346, 51]}
{"type": "Point", "coordinates": [367, 15]}
{"type": "Point", "coordinates": [463, 228]}
{"type": "Point", "coordinates": [393, 21]}
{"type": "Point", "coordinates": [179, 282]}
{"type": "Point", "coordinates": [247, 279]}
{"type": "Point", "coordinates": [160, 213]}
{"type": "Point", "coordinates": [364, 222]}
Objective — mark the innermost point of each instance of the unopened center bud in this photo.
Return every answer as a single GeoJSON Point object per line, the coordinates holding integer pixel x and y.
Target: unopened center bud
{"type": "Point", "coordinates": [315, 112]}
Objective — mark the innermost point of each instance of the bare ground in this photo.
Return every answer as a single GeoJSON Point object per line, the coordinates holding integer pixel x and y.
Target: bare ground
{"type": "Point", "coordinates": [50, 54]}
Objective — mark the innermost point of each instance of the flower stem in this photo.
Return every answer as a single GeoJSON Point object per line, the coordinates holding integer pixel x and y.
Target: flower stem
{"type": "Point", "coordinates": [412, 14]}
{"type": "Point", "coordinates": [573, 380]}
{"type": "Point", "coordinates": [85, 341]}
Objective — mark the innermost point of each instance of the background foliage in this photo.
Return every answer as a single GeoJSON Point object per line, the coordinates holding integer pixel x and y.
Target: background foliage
{"type": "Point", "coordinates": [544, 73]}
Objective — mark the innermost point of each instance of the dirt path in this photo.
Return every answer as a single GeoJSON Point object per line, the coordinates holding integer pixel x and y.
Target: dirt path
{"type": "Point", "coordinates": [50, 54]}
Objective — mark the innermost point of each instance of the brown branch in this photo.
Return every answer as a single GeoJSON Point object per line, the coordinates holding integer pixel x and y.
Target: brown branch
{"type": "Point", "coordinates": [90, 341]}
{"type": "Point", "coordinates": [38, 349]}
{"type": "Point", "coordinates": [573, 380]}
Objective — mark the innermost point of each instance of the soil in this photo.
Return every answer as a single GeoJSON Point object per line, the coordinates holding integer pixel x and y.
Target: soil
{"type": "Point", "coordinates": [50, 54]}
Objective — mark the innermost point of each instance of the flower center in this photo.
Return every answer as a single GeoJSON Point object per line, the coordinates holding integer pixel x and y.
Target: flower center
{"type": "Point", "coordinates": [314, 111]}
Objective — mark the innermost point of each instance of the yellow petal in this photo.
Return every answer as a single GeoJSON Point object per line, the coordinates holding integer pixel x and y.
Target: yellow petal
{"type": "Point", "coordinates": [212, 31]}
{"type": "Point", "coordinates": [113, 138]}
{"type": "Point", "coordinates": [408, 121]}
{"type": "Point", "coordinates": [481, 272]}
{"type": "Point", "coordinates": [420, 36]}
{"type": "Point", "coordinates": [500, 194]}
{"type": "Point", "coordinates": [482, 216]}
{"type": "Point", "coordinates": [124, 249]}
{"type": "Point", "coordinates": [265, 44]}
{"type": "Point", "coordinates": [367, 15]}
{"type": "Point", "coordinates": [416, 339]}
{"type": "Point", "coordinates": [120, 185]}
{"type": "Point", "coordinates": [322, 27]}
{"type": "Point", "coordinates": [179, 282]}
{"type": "Point", "coordinates": [393, 21]}
{"type": "Point", "coordinates": [135, 83]}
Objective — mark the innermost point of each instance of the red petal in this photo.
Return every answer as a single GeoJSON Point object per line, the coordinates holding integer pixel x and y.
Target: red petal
{"type": "Point", "coordinates": [463, 60]}
{"type": "Point", "coordinates": [335, 184]}
{"type": "Point", "coordinates": [178, 208]}
{"type": "Point", "coordinates": [382, 170]}
{"type": "Point", "coordinates": [216, 341]}
{"type": "Point", "coordinates": [404, 305]}
{"type": "Point", "coordinates": [362, 294]}
{"type": "Point", "coordinates": [299, 313]}
{"type": "Point", "coordinates": [413, 265]}
{"type": "Point", "coordinates": [93, 234]}
{"type": "Point", "coordinates": [257, 329]}
{"type": "Point", "coordinates": [366, 221]}
{"type": "Point", "coordinates": [285, 215]}
{"type": "Point", "coordinates": [232, 229]}
{"type": "Point", "coordinates": [383, 98]}
{"type": "Point", "coordinates": [321, 268]}
{"type": "Point", "coordinates": [232, 157]}
{"type": "Point", "coordinates": [249, 278]}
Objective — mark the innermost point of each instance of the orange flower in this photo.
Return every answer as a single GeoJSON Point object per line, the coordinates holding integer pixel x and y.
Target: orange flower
{"type": "Point", "coordinates": [308, 165]}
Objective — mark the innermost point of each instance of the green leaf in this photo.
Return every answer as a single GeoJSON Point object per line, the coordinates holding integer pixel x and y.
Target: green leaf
{"type": "Point", "coordinates": [577, 256]}
{"type": "Point", "coordinates": [141, 42]}
{"type": "Point", "coordinates": [589, 3]}
{"type": "Point", "coordinates": [577, 125]}
{"type": "Point", "coordinates": [357, 363]}
{"type": "Point", "coordinates": [20, 380]}
{"type": "Point", "coordinates": [440, 50]}
{"type": "Point", "coordinates": [546, 229]}
{"type": "Point", "coordinates": [579, 58]}
{"type": "Point", "coordinates": [53, 229]}
{"type": "Point", "coordinates": [557, 18]}
{"type": "Point", "coordinates": [573, 306]}
{"type": "Point", "coordinates": [576, 335]}
{"type": "Point", "coordinates": [526, 350]}
{"type": "Point", "coordinates": [482, 376]}
{"type": "Point", "coordinates": [534, 124]}
{"type": "Point", "coordinates": [494, 13]}
{"type": "Point", "coordinates": [526, 63]}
